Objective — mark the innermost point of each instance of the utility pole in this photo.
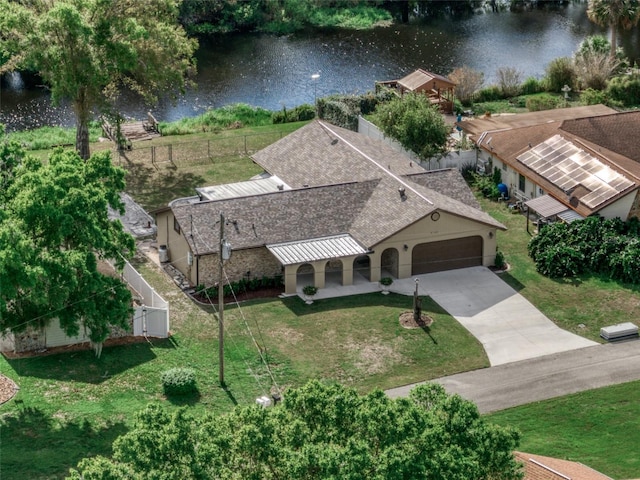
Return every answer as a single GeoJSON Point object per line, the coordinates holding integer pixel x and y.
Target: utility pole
{"type": "Point", "coordinates": [223, 254]}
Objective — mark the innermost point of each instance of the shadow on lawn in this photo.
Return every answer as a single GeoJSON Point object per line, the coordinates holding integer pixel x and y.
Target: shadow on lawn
{"type": "Point", "coordinates": [55, 445]}
{"type": "Point", "coordinates": [83, 366]}
{"type": "Point", "coordinates": [300, 308]}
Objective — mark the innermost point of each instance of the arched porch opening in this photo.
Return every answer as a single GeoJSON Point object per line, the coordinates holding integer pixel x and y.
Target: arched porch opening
{"type": "Point", "coordinates": [333, 273]}
{"type": "Point", "coordinates": [304, 275]}
{"type": "Point", "coordinates": [389, 263]}
{"type": "Point", "coordinates": [362, 268]}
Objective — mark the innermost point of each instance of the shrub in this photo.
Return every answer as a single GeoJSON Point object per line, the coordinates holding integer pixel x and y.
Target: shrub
{"type": "Point", "coordinates": [179, 381]}
{"type": "Point", "coordinates": [531, 86]}
{"type": "Point", "coordinates": [499, 260]}
{"type": "Point", "coordinates": [509, 80]}
{"type": "Point", "coordinates": [560, 72]}
{"type": "Point", "coordinates": [386, 281]}
{"type": "Point", "coordinates": [310, 290]}
{"type": "Point", "coordinates": [300, 113]}
{"type": "Point", "coordinates": [593, 97]}
{"type": "Point", "coordinates": [625, 89]}
{"type": "Point", "coordinates": [491, 93]}
{"type": "Point", "coordinates": [486, 186]}
{"type": "Point", "coordinates": [544, 102]}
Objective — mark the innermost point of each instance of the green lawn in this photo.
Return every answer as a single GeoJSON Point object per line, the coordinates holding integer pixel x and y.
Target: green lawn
{"type": "Point", "coordinates": [582, 305]}
{"type": "Point", "coordinates": [599, 428]}
{"type": "Point", "coordinates": [71, 405]}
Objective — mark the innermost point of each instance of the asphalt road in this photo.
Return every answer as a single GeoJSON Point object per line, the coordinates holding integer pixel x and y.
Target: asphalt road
{"type": "Point", "coordinates": [527, 381]}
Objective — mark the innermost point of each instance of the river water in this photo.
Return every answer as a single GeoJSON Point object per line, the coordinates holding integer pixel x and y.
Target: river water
{"type": "Point", "coordinates": [275, 72]}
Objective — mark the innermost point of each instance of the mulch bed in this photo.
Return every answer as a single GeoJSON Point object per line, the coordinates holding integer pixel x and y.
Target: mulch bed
{"type": "Point", "coordinates": [407, 321]}
{"type": "Point", "coordinates": [243, 296]}
{"type": "Point", "coordinates": [7, 389]}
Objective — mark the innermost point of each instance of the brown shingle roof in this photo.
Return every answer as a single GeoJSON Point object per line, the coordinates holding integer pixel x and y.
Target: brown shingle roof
{"type": "Point", "coordinates": [354, 184]}
{"type": "Point", "coordinates": [476, 126]}
{"type": "Point", "coordinates": [323, 154]}
{"type": "Point", "coordinates": [618, 132]}
{"type": "Point", "coordinates": [273, 217]}
{"type": "Point", "coordinates": [538, 467]}
{"type": "Point", "coordinates": [510, 143]}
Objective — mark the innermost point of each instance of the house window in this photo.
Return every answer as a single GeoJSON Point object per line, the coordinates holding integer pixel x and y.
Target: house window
{"type": "Point", "coordinates": [176, 225]}
{"type": "Point", "coordinates": [504, 167]}
{"type": "Point", "coordinates": [521, 183]}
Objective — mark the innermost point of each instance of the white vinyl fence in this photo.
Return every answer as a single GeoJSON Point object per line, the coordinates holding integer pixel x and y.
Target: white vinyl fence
{"type": "Point", "coordinates": [150, 319]}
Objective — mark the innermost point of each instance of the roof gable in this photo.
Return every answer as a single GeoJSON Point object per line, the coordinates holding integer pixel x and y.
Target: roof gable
{"type": "Point", "coordinates": [423, 80]}
{"type": "Point", "coordinates": [323, 154]}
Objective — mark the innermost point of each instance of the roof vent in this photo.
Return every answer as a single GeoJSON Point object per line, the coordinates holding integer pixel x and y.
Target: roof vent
{"type": "Point", "coordinates": [280, 186]}
{"type": "Point", "coordinates": [403, 196]}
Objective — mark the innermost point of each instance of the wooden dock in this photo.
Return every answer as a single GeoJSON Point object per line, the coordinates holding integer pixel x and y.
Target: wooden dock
{"type": "Point", "coordinates": [132, 131]}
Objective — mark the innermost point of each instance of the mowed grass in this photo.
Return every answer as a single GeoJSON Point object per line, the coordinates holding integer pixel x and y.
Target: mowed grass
{"type": "Point", "coordinates": [72, 405]}
{"type": "Point", "coordinates": [580, 305]}
{"type": "Point", "coordinates": [599, 428]}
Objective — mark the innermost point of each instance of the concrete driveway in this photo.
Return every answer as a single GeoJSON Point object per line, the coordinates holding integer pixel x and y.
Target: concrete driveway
{"type": "Point", "coordinates": [509, 327]}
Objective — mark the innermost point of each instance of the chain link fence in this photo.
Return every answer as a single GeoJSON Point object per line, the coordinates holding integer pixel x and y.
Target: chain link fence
{"type": "Point", "coordinates": [185, 154]}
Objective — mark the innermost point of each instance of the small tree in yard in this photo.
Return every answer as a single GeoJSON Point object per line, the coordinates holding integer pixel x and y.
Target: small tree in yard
{"type": "Point", "coordinates": [468, 82]}
{"type": "Point", "coordinates": [415, 123]}
{"type": "Point", "coordinates": [54, 226]}
{"type": "Point", "coordinates": [509, 80]}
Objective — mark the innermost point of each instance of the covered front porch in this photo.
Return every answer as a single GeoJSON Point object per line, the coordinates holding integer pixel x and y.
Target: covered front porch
{"type": "Point", "coordinates": [331, 262]}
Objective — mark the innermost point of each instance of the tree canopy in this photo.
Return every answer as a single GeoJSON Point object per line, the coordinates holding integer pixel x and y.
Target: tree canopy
{"type": "Point", "coordinates": [415, 123]}
{"type": "Point", "coordinates": [614, 14]}
{"type": "Point", "coordinates": [318, 432]}
{"type": "Point", "coordinates": [54, 226]}
{"type": "Point", "coordinates": [87, 51]}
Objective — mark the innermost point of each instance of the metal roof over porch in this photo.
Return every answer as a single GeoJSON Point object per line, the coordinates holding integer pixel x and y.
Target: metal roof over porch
{"type": "Point", "coordinates": [546, 206]}
{"type": "Point", "coordinates": [311, 250]}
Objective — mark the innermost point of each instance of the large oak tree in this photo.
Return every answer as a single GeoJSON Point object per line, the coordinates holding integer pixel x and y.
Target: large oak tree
{"type": "Point", "coordinates": [54, 227]}
{"type": "Point", "coordinates": [87, 51]}
{"type": "Point", "coordinates": [318, 432]}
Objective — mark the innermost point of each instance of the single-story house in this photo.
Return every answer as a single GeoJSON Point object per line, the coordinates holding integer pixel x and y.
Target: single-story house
{"type": "Point", "coordinates": [564, 163]}
{"type": "Point", "coordinates": [332, 204]}
{"type": "Point", "coordinates": [439, 89]}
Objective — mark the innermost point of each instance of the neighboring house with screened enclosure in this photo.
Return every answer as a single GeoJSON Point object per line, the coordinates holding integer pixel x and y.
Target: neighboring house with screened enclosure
{"type": "Point", "coordinates": [332, 206]}
{"type": "Point", "coordinates": [564, 164]}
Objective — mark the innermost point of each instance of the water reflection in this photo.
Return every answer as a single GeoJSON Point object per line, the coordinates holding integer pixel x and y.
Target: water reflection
{"type": "Point", "coordinates": [273, 72]}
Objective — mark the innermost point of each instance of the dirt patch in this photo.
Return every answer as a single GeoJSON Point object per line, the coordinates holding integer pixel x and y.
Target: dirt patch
{"type": "Point", "coordinates": [8, 389]}
{"type": "Point", "coordinates": [407, 321]}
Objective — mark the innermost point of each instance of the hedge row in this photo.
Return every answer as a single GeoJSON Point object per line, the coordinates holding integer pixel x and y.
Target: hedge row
{"type": "Point", "coordinates": [590, 246]}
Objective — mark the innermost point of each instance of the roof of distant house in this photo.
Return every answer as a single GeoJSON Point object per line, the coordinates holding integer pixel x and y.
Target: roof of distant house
{"type": "Point", "coordinates": [538, 467]}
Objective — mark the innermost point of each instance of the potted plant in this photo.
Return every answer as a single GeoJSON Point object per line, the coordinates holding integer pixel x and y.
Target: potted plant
{"type": "Point", "coordinates": [309, 291]}
{"type": "Point", "coordinates": [385, 282]}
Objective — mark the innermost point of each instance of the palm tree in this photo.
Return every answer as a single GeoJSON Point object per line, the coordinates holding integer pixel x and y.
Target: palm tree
{"type": "Point", "coordinates": [614, 14]}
